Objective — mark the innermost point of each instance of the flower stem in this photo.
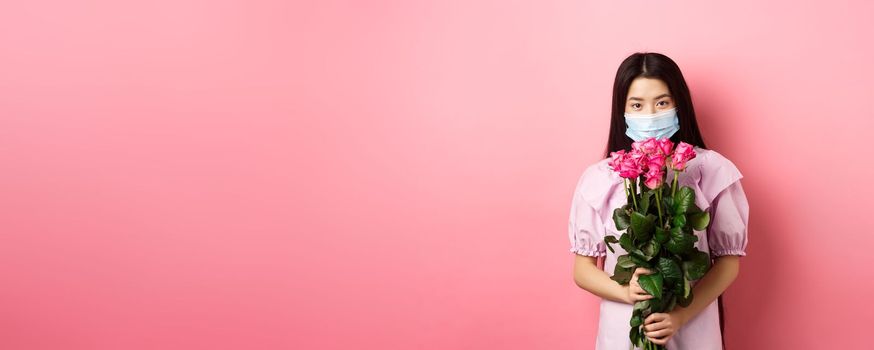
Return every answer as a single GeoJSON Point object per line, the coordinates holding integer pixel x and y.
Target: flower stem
{"type": "Point", "coordinates": [659, 205]}
{"type": "Point", "coordinates": [634, 192]}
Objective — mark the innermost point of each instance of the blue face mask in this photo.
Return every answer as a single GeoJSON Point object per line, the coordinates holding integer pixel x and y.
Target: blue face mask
{"type": "Point", "coordinates": [658, 125]}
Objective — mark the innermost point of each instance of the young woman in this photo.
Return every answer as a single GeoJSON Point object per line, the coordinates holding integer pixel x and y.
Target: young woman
{"type": "Point", "coordinates": [651, 99]}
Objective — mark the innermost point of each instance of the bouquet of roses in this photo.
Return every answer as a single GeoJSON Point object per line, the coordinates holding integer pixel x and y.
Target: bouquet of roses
{"type": "Point", "coordinates": [658, 223]}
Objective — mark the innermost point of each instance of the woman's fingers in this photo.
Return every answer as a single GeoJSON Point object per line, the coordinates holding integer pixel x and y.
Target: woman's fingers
{"type": "Point", "coordinates": [657, 329]}
{"type": "Point", "coordinates": [637, 292]}
{"type": "Point", "coordinates": [640, 292]}
{"type": "Point", "coordinates": [654, 326]}
{"type": "Point", "coordinates": [661, 341]}
{"type": "Point", "coordinates": [655, 318]}
{"type": "Point", "coordinates": [643, 294]}
{"type": "Point", "coordinates": [642, 297]}
{"type": "Point", "coordinates": [641, 271]}
{"type": "Point", "coordinates": [661, 333]}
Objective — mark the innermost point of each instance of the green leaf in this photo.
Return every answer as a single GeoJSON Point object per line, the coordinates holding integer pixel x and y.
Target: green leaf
{"type": "Point", "coordinates": [700, 220]}
{"type": "Point", "coordinates": [642, 226]}
{"type": "Point", "coordinates": [651, 283]}
{"type": "Point", "coordinates": [685, 198]}
{"type": "Point", "coordinates": [680, 242]}
{"type": "Point", "coordinates": [636, 321]}
{"type": "Point", "coordinates": [696, 265]}
{"type": "Point", "coordinates": [672, 302]}
{"type": "Point", "coordinates": [622, 275]}
{"type": "Point", "coordinates": [621, 219]}
{"type": "Point", "coordinates": [625, 261]}
{"type": "Point", "coordinates": [677, 286]}
{"type": "Point", "coordinates": [645, 201]}
{"type": "Point", "coordinates": [610, 239]}
{"type": "Point", "coordinates": [645, 313]}
{"type": "Point", "coordinates": [641, 305]}
{"type": "Point", "coordinates": [651, 249]}
{"type": "Point", "coordinates": [639, 259]}
{"type": "Point", "coordinates": [679, 220]}
{"type": "Point", "coordinates": [661, 235]}
{"type": "Point", "coordinates": [657, 304]}
{"type": "Point", "coordinates": [653, 219]}
{"type": "Point", "coordinates": [686, 300]}
{"type": "Point", "coordinates": [634, 335]}
{"type": "Point", "coordinates": [625, 242]}
{"type": "Point", "coordinates": [670, 270]}
{"type": "Point", "coordinates": [687, 230]}
{"type": "Point", "coordinates": [642, 308]}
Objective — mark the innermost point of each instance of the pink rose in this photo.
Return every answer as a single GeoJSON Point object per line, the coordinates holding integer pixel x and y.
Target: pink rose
{"type": "Point", "coordinates": [648, 146]}
{"type": "Point", "coordinates": [621, 162]}
{"type": "Point", "coordinates": [616, 159]}
{"type": "Point", "coordinates": [654, 178]}
{"type": "Point", "coordinates": [682, 154]}
{"type": "Point", "coordinates": [628, 164]}
{"type": "Point", "coordinates": [656, 160]}
{"type": "Point", "coordinates": [639, 157]}
{"type": "Point", "coordinates": [665, 146]}
{"type": "Point", "coordinates": [630, 169]}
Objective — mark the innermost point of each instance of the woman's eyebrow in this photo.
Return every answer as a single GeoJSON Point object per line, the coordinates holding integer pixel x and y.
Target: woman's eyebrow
{"type": "Point", "coordinates": [656, 98]}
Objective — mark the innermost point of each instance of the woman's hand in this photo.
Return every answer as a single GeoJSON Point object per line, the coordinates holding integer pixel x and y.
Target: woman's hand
{"type": "Point", "coordinates": [635, 292]}
{"type": "Point", "coordinates": [659, 327]}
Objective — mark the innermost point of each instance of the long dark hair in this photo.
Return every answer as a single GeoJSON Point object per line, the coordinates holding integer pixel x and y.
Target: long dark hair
{"type": "Point", "coordinates": [658, 66]}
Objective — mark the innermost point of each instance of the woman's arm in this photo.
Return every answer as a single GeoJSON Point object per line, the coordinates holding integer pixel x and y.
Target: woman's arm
{"type": "Point", "coordinates": [712, 285]}
{"type": "Point", "coordinates": [588, 276]}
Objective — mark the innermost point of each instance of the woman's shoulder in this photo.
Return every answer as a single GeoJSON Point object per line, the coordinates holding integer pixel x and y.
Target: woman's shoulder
{"type": "Point", "coordinates": [599, 171]}
{"type": "Point", "coordinates": [713, 161]}
{"type": "Point", "coordinates": [599, 167]}
{"type": "Point", "coordinates": [717, 171]}
{"type": "Point", "coordinates": [597, 182]}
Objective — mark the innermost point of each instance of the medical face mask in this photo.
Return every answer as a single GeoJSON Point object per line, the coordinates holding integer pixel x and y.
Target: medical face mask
{"type": "Point", "coordinates": [659, 125]}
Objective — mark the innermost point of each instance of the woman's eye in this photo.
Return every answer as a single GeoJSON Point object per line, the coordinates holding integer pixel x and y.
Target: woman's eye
{"type": "Point", "coordinates": [634, 105]}
{"type": "Point", "coordinates": [665, 103]}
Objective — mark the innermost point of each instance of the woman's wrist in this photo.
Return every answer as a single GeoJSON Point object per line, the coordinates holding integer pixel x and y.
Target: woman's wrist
{"type": "Point", "coordinates": [626, 294]}
{"type": "Point", "coordinates": [681, 314]}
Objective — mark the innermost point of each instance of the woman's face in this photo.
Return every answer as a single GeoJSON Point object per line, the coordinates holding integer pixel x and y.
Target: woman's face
{"type": "Point", "coordinates": [648, 96]}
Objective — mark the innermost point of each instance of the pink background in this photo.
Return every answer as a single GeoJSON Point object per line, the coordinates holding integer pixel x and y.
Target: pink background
{"type": "Point", "coordinates": [398, 174]}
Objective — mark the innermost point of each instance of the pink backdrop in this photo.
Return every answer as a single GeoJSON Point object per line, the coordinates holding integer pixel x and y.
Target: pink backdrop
{"type": "Point", "coordinates": [398, 174]}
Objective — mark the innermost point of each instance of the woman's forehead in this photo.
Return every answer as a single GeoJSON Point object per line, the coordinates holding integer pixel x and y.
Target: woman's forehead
{"type": "Point", "coordinates": [647, 89]}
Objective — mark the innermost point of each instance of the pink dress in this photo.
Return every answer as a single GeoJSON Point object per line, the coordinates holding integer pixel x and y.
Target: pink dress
{"type": "Point", "coordinates": [717, 186]}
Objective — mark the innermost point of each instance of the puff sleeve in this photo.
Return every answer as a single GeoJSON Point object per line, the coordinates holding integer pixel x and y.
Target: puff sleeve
{"type": "Point", "coordinates": [727, 233]}
{"type": "Point", "coordinates": [585, 229]}
{"type": "Point", "coordinates": [729, 209]}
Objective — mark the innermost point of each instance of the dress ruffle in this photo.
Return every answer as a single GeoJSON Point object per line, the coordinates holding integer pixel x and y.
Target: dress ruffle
{"type": "Point", "coordinates": [588, 252]}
